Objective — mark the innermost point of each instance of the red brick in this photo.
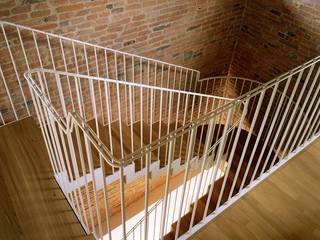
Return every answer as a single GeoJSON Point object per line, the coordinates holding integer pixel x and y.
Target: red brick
{"type": "Point", "coordinates": [21, 9]}
{"type": "Point", "coordinates": [40, 13]}
{"type": "Point", "coordinates": [69, 8]}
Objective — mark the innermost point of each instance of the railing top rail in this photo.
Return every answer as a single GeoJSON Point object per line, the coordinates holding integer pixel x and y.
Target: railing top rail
{"type": "Point", "coordinates": [76, 75]}
{"type": "Point", "coordinates": [94, 45]}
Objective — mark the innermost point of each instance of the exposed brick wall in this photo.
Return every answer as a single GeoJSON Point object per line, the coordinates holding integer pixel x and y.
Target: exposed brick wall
{"type": "Point", "coordinates": [196, 34]}
{"type": "Point", "coordinates": [191, 33]}
{"type": "Point", "coordinates": [275, 37]}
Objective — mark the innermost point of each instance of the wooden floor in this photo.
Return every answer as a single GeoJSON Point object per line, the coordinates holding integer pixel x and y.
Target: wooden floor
{"type": "Point", "coordinates": [31, 204]}
{"type": "Point", "coordinates": [285, 206]}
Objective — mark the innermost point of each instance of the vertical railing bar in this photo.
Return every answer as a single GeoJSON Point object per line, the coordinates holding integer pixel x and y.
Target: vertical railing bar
{"type": "Point", "coordinates": [108, 105]}
{"type": "Point", "coordinates": [166, 95]}
{"type": "Point", "coordinates": [151, 115]}
{"type": "Point", "coordinates": [79, 91]}
{"type": "Point", "coordinates": [160, 110]}
{"type": "Point", "coordinates": [213, 154]}
{"type": "Point", "coordinates": [272, 114]}
{"type": "Point", "coordinates": [66, 69]}
{"type": "Point", "coordinates": [95, 193]}
{"type": "Point", "coordinates": [41, 64]}
{"type": "Point", "coordinates": [84, 172]}
{"type": "Point", "coordinates": [105, 195]}
{"type": "Point", "coordinates": [120, 121]}
{"type": "Point", "coordinates": [203, 164]}
{"type": "Point", "coordinates": [125, 87]}
{"type": "Point", "coordinates": [119, 107]}
{"type": "Point", "coordinates": [141, 109]}
{"type": "Point", "coordinates": [99, 85]}
{"type": "Point", "coordinates": [148, 83]}
{"type": "Point", "coordinates": [217, 162]}
{"type": "Point", "coordinates": [94, 106]}
{"type": "Point", "coordinates": [133, 80]}
{"type": "Point", "coordinates": [244, 151]}
{"type": "Point", "coordinates": [167, 189]}
{"type": "Point", "coordinates": [122, 202]}
{"type": "Point", "coordinates": [146, 194]}
{"type": "Point", "coordinates": [169, 117]}
{"type": "Point", "coordinates": [61, 96]}
{"type": "Point", "coordinates": [86, 61]}
{"type": "Point", "coordinates": [185, 178]}
{"type": "Point", "coordinates": [130, 103]}
{"type": "Point", "coordinates": [184, 122]}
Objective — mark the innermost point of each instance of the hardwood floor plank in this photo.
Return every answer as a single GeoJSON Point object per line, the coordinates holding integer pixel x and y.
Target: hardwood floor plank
{"type": "Point", "coordinates": [31, 202]}
{"type": "Point", "coordinates": [284, 206]}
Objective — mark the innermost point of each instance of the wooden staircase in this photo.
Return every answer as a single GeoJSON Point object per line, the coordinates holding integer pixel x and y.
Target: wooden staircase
{"type": "Point", "coordinates": [158, 130]}
{"type": "Point", "coordinates": [199, 212]}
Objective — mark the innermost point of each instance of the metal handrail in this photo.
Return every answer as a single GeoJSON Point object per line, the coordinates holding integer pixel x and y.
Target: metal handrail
{"type": "Point", "coordinates": [68, 123]}
{"type": "Point", "coordinates": [75, 118]}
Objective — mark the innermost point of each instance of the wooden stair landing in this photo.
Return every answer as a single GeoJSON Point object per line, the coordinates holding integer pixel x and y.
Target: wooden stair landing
{"type": "Point", "coordinates": [32, 206]}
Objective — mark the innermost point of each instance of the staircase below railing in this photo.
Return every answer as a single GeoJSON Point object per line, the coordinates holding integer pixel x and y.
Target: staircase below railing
{"type": "Point", "coordinates": [206, 159]}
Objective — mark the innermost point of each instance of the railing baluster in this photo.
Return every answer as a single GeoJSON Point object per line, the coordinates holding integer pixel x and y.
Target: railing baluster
{"type": "Point", "coordinates": [167, 189]}
{"type": "Point", "coordinates": [190, 148]}
{"type": "Point", "coordinates": [203, 164]}
{"type": "Point", "coordinates": [255, 116]}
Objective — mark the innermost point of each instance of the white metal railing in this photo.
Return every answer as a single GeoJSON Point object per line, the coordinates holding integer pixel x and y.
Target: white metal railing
{"type": "Point", "coordinates": [23, 48]}
{"type": "Point", "coordinates": [247, 145]}
{"type": "Point", "coordinates": [119, 115]}
{"type": "Point", "coordinates": [85, 149]}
